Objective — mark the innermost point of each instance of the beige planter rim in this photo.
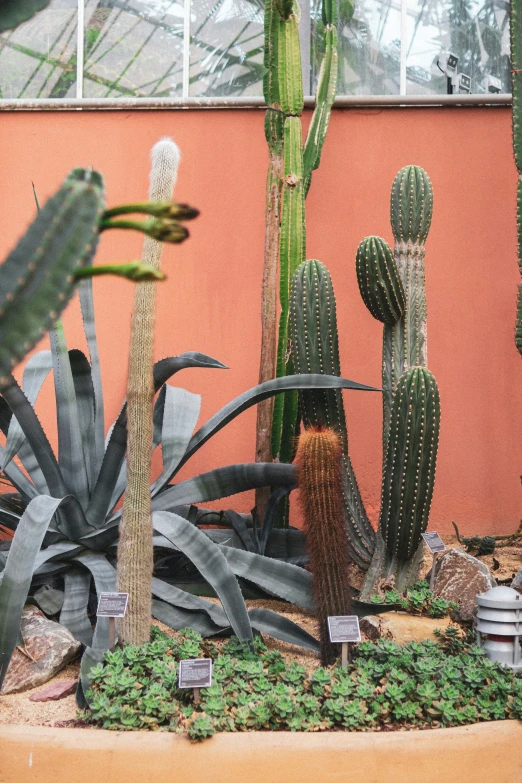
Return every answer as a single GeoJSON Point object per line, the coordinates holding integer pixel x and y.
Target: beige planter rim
{"type": "Point", "coordinates": [480, 753]}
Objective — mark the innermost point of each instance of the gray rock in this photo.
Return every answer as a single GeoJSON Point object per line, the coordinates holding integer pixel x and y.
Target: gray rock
{"type": "Point", "coordinates": [517, 581]}
{"type": "Point", "coordinates": [48, 647]}
{"type": "Point", "coordinates": [460, 578]}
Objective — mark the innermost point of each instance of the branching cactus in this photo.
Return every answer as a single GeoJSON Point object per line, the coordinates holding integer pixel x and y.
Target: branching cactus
{"type": "Point", "coordinates": [408, 480]}
{"type": "Point", "coordinates": [516, 77]}
{"type": "Point", "coordinates": [289, 177]}
{"type": "Point", "coordinates": [315, 349]}
{"type": "Point", "coordinates": [319, 460]}
{"type": "Point", "coordinates": [393, 290]}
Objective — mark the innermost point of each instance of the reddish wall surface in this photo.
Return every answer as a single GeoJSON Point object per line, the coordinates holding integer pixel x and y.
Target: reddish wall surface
{"type": "Point", "coordinates": [210, 302]}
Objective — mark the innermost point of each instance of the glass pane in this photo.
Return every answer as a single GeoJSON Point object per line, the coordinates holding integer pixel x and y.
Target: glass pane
{"type": "Point", "coordinates": [226, 53]}
{"type": "Point", "coordinates": [133, 48]}
{"type": "Point", "coordinates": [369, 46]}
{"type": "Point", "coordinates": [476, 32]}
{"type": "Point", "coordinates": [38, 58]}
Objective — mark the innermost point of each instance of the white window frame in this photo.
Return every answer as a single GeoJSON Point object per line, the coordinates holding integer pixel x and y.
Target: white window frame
{"type": "Point", "coordinates": [240, 102]}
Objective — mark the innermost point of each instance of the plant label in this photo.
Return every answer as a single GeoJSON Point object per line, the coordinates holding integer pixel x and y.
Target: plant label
{"type": "Point", "coordinates": [112, 604]}
{"type": "Point", "coordinates": [344, 629]}
{"type": "Point", "coordinates": [434, 542]}
{"type": "Point", "coordinates": [195, 673]}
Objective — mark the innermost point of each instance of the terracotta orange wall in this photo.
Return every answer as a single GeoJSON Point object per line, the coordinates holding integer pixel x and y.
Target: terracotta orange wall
{"type": "Point", "coordinates": [210, 302]}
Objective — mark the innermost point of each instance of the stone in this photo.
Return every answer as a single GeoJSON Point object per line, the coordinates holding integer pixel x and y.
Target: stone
{"type": "Point", "coordinates": [516, 584]}
{"type": "Point", "coordinates": [460, 577]}
{"type": "Point", "coordinates": [401, 627]}
{"type": "Point", "coordinates": [58, 690]}
{"type": "Point", "coordinates": [48, 647]}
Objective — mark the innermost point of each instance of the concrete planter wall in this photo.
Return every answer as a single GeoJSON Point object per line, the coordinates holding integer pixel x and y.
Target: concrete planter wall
{"type": "Point", "coordinates": [480, 753]}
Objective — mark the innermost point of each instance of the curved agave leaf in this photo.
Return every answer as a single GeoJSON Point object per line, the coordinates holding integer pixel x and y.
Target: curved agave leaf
{"type": "Point", "coordinates": [221, 482]}
{"type": "Point", "coordinates": [210, 563]}
{"type": "Point", "coordinates": [105, 582]}
{"type": "Point", "coordinates": [36, 437]}
{"type": "Point", "coordinates": [77, 583]}
{"type": "Point", "coordinates": [280, 627]}
{"type": "Point", "coordinates": [179, 609]}
{"type": "Point", "coordinates": [177, 618]}
{"type": "Point", "coordinates": [100, 503]}
{"type": "Point", "coordinates": [70, 448]}
{"type": "Point", "coordinates": [18, 571]}
{"type": "Point", "coordinates": [19, 480]}
{"type": "Point", "coordinates": [36, 371]}
{"type": "Point", "coordinates": [85, 403]}
{"type": "Point", "coordinates": [262, 392]}
{"type": "Point", "coordinates": [284, 580]}
{"type": "Point", "coordinates": [89, 326]}
{"type": "Point", "coordinates": [180, 416]}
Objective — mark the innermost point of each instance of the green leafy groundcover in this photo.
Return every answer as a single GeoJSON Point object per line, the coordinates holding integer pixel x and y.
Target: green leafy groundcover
{"type": "Point", "coordinates": [423, 684]}
{"type": "Point", "coordinates": [418, 600]}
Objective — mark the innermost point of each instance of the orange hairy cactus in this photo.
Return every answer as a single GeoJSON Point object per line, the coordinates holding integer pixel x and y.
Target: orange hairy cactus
{"type": "Point", "coordinates": [319, 461]}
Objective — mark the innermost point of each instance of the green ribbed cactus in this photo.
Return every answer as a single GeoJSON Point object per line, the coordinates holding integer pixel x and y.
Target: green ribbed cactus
{"type": "Point", "coordinates": [37, 279]}
{"type": "Point", "coordinates": [404, 337]}
{"type": "Point", "coordinates": [516, 77]}
{"type": "Point", "coordinates": [408, 480]}
{"type": "Point", "coordinates": [319, 461]}
{"type": "Point", "coordinates": [289, 177]}
{"type": "Point", "coordinates": [315, 349]}
{"type": "Point", "coordinates": [379, 282]}
{"type": "Point", "coordinates": [393, 290]}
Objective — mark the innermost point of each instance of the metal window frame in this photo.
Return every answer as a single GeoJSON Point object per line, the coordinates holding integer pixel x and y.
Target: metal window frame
{"type": "Point", "coordinates": [243, 102]}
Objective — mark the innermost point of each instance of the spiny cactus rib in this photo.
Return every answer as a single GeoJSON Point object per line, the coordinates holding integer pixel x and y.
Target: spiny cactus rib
{"type": "Point", "coordinates": [405, 343]}
{"type": "Point", "coordinates": [410, 463]}
{"type": "Point", "coordinates": [289, 67]}
{"type": "Point", "coordinates": [379, 282]}
{"type": "Point", "coordinates": [516, 79]}
{"type": "Point", "coordinates": [327, 85]}
{"type": "Point", "coordinates": [292, 250]}
{"type": "Point", "coordinates": [270, 56]}
{"type": "Point", "coordinates": [320, 483]}
{"type": "Point", "coordinates": [315, 348]}
{"type": "Point", "coordinates": [274, 131]}
{"type": "Point", "coordinates": [37, 278]}
{"type": "Point", "coordinates": [516, 82]}
{"type": "Point", "coordinates": [411, 205]}
{"type": "Point", "coordinates": [518, 329]}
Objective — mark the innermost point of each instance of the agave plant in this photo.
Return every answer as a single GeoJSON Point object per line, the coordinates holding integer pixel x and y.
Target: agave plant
{"type": "Point", "coordinates": [68, 525]}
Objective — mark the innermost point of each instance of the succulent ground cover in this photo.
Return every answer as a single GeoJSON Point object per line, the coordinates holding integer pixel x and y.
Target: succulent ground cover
{"type": "Point", "coordinates": [423, 684]}
{"type": "Point", "coordinates": [418, 600]}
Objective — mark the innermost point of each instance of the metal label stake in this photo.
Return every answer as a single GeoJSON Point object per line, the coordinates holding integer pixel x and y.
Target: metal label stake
{"type": "Point", "coordinates": [342, 630]}
{"type": "Point", "coordinates": [435, 544]}
{"type": "Point", "coordinates": [112, 605]}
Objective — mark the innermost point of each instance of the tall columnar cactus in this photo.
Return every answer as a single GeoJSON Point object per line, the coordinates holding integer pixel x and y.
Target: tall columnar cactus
{"type": "Point", "coordinates": [393, 290]}
{"type": "Point", "coordinates": [319, 460]}
{"type": "Point", "coordinates": [516, 81]}
{"type": "Point", "coordinates": [315, 349]}
{"type": "Point", "coordinates": [289, 176]}
{"type": "Point", "coordinates": [408, 479]}
{"type": "Point", "coordinates": [135, 549]}
{"type": "Point", "coordinates": [405, 342]}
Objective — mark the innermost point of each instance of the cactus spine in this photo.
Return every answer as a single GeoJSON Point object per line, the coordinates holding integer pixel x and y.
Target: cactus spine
{"type": "Point", "coordinates": [289, 177]}
{"type": "Point", "coordinates": [315, 349]}
{"type": "Point", "coordinates": [408, 479]}
{"type": "Point", "coordinates": [135, 550]}
{"type": "Point", "coordinates": [516, 78]}
{"type": "Point", "coordinates": [319, 460]}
